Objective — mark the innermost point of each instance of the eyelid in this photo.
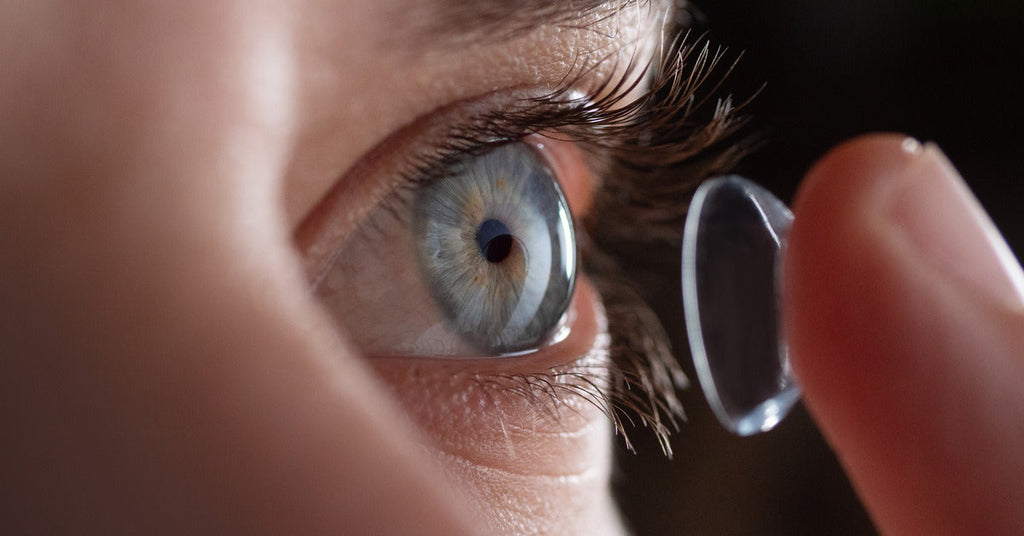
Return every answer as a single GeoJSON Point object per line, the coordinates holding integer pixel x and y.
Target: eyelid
{"type": "Point", "coordinates": [422, 147]}
{"type": "Point", "coordinates": [371, 179]}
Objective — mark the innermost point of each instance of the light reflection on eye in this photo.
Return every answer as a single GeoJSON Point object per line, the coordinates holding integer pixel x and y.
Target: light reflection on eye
{"type": "Point", "coordinates": [479, 262]}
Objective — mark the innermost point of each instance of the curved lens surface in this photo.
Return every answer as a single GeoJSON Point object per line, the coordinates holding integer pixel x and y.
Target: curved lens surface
{"type": "Point", "coordinates": [732, 247]}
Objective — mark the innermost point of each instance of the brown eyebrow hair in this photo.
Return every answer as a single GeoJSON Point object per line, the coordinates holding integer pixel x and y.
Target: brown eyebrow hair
{"type": "Point", "coordinates": [469, 21]}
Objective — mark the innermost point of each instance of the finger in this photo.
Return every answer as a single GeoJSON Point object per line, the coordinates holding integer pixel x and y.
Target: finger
{"type": "Point", "coordinates": [905, 315]}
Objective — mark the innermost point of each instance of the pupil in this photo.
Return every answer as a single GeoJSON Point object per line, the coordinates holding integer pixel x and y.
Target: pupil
{"type": "Point", "coordinates": [495, 240]}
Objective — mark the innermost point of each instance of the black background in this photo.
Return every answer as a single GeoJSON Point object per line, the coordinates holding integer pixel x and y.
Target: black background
{"type": "Point", "coordinates": [945, 71]}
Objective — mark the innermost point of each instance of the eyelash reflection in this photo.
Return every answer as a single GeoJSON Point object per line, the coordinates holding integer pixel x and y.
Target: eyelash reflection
{"type": "Point", "coordinates": [649, 151]}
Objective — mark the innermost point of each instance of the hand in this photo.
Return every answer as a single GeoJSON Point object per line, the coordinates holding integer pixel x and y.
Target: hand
{"type": "Point", "coordinates": [905, 316]}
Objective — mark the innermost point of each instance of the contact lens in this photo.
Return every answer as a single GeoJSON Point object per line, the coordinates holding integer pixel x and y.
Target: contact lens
{"type": "Point", "coordinates": [733, 243]}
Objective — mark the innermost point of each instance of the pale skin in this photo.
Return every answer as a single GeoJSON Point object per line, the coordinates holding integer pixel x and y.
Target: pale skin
{"type": "Point", "coordinates": [167, 369]}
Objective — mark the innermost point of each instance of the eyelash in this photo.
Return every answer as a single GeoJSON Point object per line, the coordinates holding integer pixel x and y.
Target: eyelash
{"type": "Point", "coordinates": [640, 148]}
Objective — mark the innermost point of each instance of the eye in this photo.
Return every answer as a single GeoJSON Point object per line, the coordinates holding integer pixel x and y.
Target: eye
{"type": "Point", "coordinates": [478, 261]}
{"type": "Point", "coordinates": [495, 244]}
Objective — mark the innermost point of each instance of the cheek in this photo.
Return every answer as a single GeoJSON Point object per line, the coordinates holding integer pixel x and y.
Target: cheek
{"type": "Point", "coordinates": [525, 436]}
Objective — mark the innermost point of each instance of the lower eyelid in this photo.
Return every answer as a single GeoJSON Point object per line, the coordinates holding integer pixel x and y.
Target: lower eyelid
{"type": "Point", "coordinates": [490, 411]}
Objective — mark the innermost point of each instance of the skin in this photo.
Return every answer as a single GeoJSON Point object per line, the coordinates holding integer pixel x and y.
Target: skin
{"type": "Point", "coordinates": [907, 333]}
{"type": "Point", "coordinates": [167, 369]}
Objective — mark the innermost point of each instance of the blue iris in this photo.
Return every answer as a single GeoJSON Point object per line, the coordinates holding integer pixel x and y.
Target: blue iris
{"type": "Point", "coordinates": [496, 247]}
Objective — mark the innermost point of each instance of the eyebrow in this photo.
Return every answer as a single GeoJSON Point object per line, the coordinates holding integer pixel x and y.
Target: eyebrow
{"type": "Point", "coordinates": [462, 21]}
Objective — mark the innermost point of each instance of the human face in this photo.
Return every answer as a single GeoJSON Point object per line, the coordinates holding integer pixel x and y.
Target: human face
{"type": "Point", "coordinates": [215, 164]}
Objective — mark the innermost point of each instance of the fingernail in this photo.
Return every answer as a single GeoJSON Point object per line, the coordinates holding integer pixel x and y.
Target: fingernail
{"type": "Point", "coordinates": [940, 217]}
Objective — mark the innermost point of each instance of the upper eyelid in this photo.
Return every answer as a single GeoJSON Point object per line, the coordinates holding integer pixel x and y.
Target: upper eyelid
{"type": "Point", "coordinates": [645, 113]}
{"type": "Point", "coordinates": [330, 136]}
{"type": "Point", "coordinates": [415, 154]}
{"type": "Point", "coordinates": [375, 175]}
{"type": "Point", "coordinates": [511, 112]}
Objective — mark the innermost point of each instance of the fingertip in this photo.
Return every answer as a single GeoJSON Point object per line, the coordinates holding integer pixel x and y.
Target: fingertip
{"type": "Point", "coordinates": [850, 175]}
{"type": "Point", "coordinates": [907, 359]}
{"type": "Point", "coordinates": [833, 236]}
